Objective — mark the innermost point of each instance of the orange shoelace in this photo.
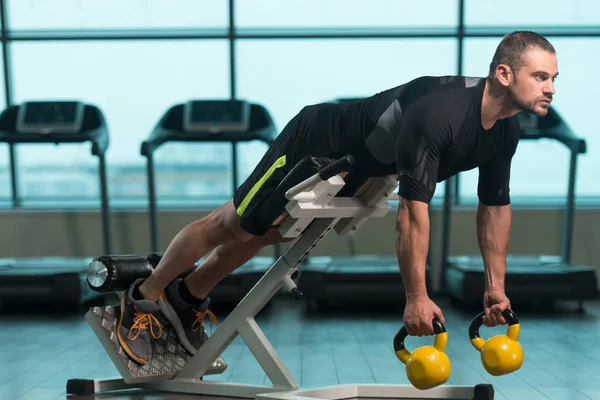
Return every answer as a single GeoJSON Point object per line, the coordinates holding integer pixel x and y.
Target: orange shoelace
{"type": "Point", "coordinates": [200, 315]}
{"type": "Point", "coordinates": [141, 322]}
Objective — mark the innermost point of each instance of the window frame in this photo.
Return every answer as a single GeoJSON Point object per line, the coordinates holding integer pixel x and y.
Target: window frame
{"type": "Point", "coordinates": [459, 32]}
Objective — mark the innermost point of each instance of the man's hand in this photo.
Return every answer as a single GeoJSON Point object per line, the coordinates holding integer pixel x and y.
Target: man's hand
{"type": "Point", "coordinates": [419, 314]}
{"type": "Point", "coordinates": [494, 303]}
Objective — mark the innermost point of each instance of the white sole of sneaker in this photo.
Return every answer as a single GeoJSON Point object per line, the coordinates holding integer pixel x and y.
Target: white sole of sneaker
{"type": "Point", "coordinates": [171, 315]}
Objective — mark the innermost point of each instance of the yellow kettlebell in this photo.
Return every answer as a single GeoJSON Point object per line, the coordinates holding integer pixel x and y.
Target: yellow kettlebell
{"type": "Point", "coordinates": [501, 354]}
{"type": "Point", "coordinates": [427, 366]}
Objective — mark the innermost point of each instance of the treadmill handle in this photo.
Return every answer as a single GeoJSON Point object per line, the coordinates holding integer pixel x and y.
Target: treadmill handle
{"type": "Point", "coordinates": [574, 143]}
{"type": "Point", "coordinates": [151, 144]}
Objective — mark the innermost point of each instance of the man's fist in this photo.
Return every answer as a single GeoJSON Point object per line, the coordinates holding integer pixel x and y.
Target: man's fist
{"type": "Point", "coordinates": [419, 314]}
{"type": "Point", "coordinates": [494, 303]}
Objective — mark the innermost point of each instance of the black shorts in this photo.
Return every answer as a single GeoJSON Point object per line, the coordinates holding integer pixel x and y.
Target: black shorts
{"type": "Point", "coordinates": [270, 171]}
{"type": "Point", "coordinates": [254, 200]}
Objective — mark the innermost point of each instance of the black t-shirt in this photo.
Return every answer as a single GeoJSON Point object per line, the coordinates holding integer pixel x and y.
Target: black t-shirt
{"type": "Point", "coordinates": [426, 131]}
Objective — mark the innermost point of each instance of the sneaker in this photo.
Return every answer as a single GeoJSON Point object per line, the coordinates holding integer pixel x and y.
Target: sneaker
{"type": "Point", "coordinates": [187, 320]}
{"type": "Point", "coordinates": [136, 324]}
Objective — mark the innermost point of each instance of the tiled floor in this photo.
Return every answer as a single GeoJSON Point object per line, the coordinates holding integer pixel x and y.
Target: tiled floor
{"type": "Point", "coordinates": [41, 352]}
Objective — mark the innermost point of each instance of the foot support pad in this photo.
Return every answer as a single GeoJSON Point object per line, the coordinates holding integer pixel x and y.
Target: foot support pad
{"type": "Point", "coordinates": [168, 358]}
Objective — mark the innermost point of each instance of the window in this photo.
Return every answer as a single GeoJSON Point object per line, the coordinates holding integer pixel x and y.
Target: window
{"type": "Point", "coordinates": [541, 168]}
{"type": "Point", "coordinates": [5, 183]}
{"type": "Point", "coordinates": [345, 13]}
{"type": "Point", "coordinates": [134, 83]}
{"type": "Point", "coordinates": [115, 14]}
{"type": "Point", "coordinates": [286, 75]}
{"type": "Point", "coordinates": [530, 14]}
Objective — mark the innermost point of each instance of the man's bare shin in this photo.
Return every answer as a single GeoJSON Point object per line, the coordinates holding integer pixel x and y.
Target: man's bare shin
{"type": "Point", "coordinates": [224, 260]}
{"type": "Point", "coordinates": [412, 243]}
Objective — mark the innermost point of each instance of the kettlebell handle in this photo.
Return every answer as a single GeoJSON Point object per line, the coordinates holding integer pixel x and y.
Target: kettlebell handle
{"type": "Point", "coordinates": [402, 353]}
{"type": "Point", "coordinates": [477, 322]}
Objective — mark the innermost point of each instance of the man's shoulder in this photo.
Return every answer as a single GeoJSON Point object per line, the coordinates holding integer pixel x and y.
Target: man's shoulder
{"type": "Point", "coordinates": [444, 106]}
{"type": "Point", "coordinates": [443, 91]}
{"type": "Point", "coordinates": [443, 83]}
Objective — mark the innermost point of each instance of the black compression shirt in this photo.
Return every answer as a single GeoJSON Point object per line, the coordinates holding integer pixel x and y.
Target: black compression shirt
{"type": "Point", "coordinates": [426, 131]}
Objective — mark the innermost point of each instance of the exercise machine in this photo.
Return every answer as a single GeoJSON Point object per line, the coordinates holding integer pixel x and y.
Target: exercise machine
{"type": "Point", "coordinates": [545, 278]}
{"type": "Point", "coordinates": [54, 279]}
{"type": "Point", "coordinates": [337, 280]}
{"type": "Point", "coordinates": [212, 121]}
{"type": "Point", "coordinates": [306, 206]}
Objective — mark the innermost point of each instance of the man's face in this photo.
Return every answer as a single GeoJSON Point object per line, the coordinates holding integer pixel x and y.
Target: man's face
{"type": "Point", "coordinates": [533, 85]}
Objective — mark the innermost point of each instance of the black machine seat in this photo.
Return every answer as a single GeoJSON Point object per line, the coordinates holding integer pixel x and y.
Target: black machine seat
{"type": "Point", "coordinates": [54, 279]}
{"type": "Point", "coordinates": [234, 287]}
{"type": "Point", "coordinates": [530, 277]}
{"type": "Point", "coordinates": [48, 279]}
{"type": "Point", "coordinates": [363, 278]}
{"type": "Point", "coordinates": [550, 274]}
{"type": "Point", "coordinates": [366, 278]}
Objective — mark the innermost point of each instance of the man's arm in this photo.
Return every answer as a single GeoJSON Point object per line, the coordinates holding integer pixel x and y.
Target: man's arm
{"type": "Point", "coordinates": [420, 143]}
{"type": "Point", "coordinates": [494, 212]}
{"type": "Point", "coordinates": [493, 233]}
{"type": "Point", "coordinates": [412, 245]}
{"type": "Point", "coordinates": [425, 134]}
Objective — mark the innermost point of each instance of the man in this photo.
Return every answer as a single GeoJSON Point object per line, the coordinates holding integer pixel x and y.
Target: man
{"type": "Point", "coordinates": [424, 131]}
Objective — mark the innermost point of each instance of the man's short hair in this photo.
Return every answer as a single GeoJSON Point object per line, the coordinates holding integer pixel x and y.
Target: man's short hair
{"type": "Point", "coordinates": [513, 46]}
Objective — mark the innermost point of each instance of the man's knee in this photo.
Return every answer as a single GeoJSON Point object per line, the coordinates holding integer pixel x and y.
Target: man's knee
{"type": "Point", "coordinates": [226, 221]}
{"type": "Point", "coordinates": [271, 237]}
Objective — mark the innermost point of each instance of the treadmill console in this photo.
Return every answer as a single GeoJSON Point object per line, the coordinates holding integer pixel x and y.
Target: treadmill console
{"type": "Point", "coordinates": [46, 117]}
{"type": "Point", "coordinates": [216, 116]}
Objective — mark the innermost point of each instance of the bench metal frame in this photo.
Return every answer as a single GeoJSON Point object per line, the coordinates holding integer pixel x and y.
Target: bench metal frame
{"type": "Point", "coordinates": [312, 212]}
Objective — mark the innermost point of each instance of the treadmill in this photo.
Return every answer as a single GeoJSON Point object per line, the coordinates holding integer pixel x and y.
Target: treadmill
{"type": "Point", "coordinates": [54, 279]}
{"type": "Point", "coordinates": [545, 278]}
{"type": "Point", "coordinates": [210, 121]}
{"type": "Point", "coordinates": [357, 278]}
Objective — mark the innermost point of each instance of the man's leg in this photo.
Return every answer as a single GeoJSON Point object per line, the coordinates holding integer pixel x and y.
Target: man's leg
{"type": "Point", "coordinates": [139, 303]}
{"type": "Point", "coordinates": [226, 259]}
{"type": "Point", "coordinates": [220, 227]}
{"type": "Point", "coordinates": [186, 302]}
{"type": "Point", "coordinates": [235, 222]}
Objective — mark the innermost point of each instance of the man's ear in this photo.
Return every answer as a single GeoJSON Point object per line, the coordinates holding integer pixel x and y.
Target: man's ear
{"type": "Point", "coordinates": [504, 75]}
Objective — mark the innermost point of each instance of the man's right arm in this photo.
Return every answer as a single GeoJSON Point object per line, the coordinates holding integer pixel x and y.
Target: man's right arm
{"type": "Point", "coordinates": [420, 143]}
{"type": "Point", "coordinates": [412, 246]}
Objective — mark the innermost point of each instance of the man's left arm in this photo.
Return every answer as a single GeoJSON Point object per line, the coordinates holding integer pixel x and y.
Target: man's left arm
{"type": "Point", "coordinates": [493, 230]}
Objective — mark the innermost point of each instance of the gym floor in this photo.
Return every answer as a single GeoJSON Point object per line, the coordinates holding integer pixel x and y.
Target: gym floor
{"type": "Point", "coordinates": [42, 351]}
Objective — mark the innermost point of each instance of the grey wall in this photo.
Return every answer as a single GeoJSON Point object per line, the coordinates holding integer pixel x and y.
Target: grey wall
{"type": "Point", "coordinates": [27, 233]}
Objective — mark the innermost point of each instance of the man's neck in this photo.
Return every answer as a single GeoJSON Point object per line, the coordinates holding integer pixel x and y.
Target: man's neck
{"type": "Point", "coordinates": [495, 104]}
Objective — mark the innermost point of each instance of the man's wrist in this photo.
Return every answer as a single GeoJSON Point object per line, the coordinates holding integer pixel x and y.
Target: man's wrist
{"type": "Point", "coordinates": [494, 285]}
{"type": "Point", "coordinates": [494, 276]}
{"type": "Point", "coordinates": [416, 295]}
